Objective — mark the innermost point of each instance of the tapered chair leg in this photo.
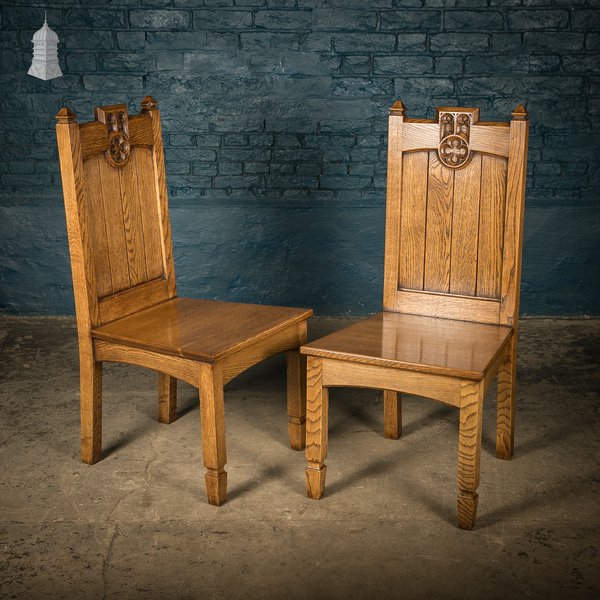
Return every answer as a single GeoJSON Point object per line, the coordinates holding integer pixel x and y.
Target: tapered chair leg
{"type": "Point", "coordinates": [317, 412]}
{"type": "Point", "coordinates": [90, 373]}
{"type": "Point", "coordinates": [213, 432]}
{"type": "Point", "coordinates": [469, 451]}
{"type": "Point", "coordinates": [167, 398]}
{"type": "Point", "coordinates": [505, 409]}
{"type": "Point", "coordinates": [296, 399]}
{"type": "Point", "coordinates": [392, 414]}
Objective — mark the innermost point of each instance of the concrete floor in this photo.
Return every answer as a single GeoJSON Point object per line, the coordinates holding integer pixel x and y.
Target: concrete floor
{"type": "Point", "coordinates": [137, 525]}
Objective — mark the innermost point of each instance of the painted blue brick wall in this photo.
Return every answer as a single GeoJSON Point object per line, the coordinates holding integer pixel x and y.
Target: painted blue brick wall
{"type": "Point", "coordinates": [275, 131]}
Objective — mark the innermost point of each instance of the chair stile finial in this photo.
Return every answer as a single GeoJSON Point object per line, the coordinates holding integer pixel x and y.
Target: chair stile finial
{"type": "Point", "coordinates": [65, 115]}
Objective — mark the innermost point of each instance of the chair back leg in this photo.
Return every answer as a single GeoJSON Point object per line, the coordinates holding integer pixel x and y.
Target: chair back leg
{"type": "Point", "coordinates": [167, 398]}
{"type": "Point", "coordinates": [90, 402]}
{"type": "Point", "coordinates": [392, 414]}
{"type": "Point", "coordinates": [505, 410]}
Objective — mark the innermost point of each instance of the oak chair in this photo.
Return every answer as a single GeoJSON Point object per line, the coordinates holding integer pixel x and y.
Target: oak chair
{"type": "Point", "coordinates": [115, 195]}
{"type": "Point", "coordinates": [454, 217]}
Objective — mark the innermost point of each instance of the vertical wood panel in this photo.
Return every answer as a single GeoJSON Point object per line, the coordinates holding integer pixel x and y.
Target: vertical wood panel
{"type": "Point", "coordinates": [144, 167]}
{"type": "Point", "coordinates": [412, 220]}
{"type": "Point", "coordinates": [438, 237]}
{"type": "Point", "coordinates": [113, 214]}
{"type": "Point", "coordinates": [491, 226]}
{"type": "Point", "coordinates": [465, 228]}
{"type": "Point", "coordinates": [95, 208]}
{"type": "Point", "coordinates": [132, 221]}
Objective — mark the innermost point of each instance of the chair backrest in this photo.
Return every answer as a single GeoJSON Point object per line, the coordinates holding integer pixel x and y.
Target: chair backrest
{"type": "Point", "coordinates": [115, 194]}
{"type": "Point", "coordinates": [454, 217]}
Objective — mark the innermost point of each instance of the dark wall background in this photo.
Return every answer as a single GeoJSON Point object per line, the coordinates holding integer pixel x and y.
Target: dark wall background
{"type": "Point", "coordinates": [275, 130]}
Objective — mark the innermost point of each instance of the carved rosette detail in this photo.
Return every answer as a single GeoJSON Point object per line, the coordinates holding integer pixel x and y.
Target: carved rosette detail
{"type": "Point", "coordinates": [455, 128]}
{"type": "Point", "coordinates": [118, 138]}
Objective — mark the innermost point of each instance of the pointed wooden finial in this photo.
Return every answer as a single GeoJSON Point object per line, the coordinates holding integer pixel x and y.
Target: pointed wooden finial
{"type": "Point", "coordinates": [148, 104]}
{"type": "Point", "coordinates": [398, 108]}
{"type": "Point", "coordinates": [65, 115]}
{"type": "Point", "coordinates": [520, 113]}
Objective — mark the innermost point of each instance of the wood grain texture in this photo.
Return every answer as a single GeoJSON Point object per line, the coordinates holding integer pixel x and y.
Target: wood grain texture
{"type": "Point", "coordinates": [180, 368]}
{"type": "Point", "coordinates": [438, 229]}
{"type": "Point", "coordinates": [513, 227]}
{"type": "Point", "coordinates": [212, 420]}
{"type": "Point", "coordinates": [132, 222]}
{"type": "Point", "coordinates": [317, 426]}
{"type": "Point", "coordinates": [160, 186]}
{"type": "Point", "coordinates": [248, 355]}
{"type": "Point", "coordinates": [469, 451]}
{"type": "Point", "coordinates": [93, 206]}
{"type": "Point", "coordinates": [447, 306]}
{"type": "Point", "coordinates": [412, 220]}
{"type": "Point", "coordinates": [90, 406]}
{"type": "Point", "coordinates": [296, 392]}
{"type": "Point", "coordinates": [393, 208]}
{"type": "Point", "coordinates": [491, 226]}
{"type": "Point", "coordinates": [342, 373]}
{"type": "Point", "coordinates": [506, 400]}
{"type": "Point", "coordinates": [110, 186]}
{"type": "Point", "coordinates": [132, 300]}
{"type": "Point", "coordinates": [141, 161]}
{"type": "Point", "coordinates": [167, 398]}
{"type": "Point", "coordinates": [392, 414]}
{"type": "Point", "coordinates": [488, 138]}
{"type": "Point", "coordinates": [421, 344]}
{"type": "Point", "coordinates": [465, 228]}
{"type": "Point", "coordinates": [204, 330]}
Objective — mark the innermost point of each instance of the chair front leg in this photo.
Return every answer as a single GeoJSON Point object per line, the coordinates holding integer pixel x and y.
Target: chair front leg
{"type": "Point", "coordinates": [90, 403]}
{"type": "Point", "coordinates": [317, 411]}
{"type": "Point", "coordinates": [469, 451]}
{"type": "Point", "coordinates": [505, 408]}
{"type": "Point", "coordinates": [296, 399]}
{"type": "Point", "coordinates": [392, 414]}
{"type": "Point", "coordinates": [212, 412]}
{"type": "Point", "coordinates": [167, 398]}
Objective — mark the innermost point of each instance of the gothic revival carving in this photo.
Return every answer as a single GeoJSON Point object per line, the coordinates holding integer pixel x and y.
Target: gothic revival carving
{"type": "Point", "coordinates": [455, 130]}
{"type": "Point", "coordinates": [116, 120]}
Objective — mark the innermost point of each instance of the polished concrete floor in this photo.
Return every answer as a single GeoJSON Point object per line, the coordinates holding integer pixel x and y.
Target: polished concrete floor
{"type": "Point", "coordinates": [137, 525]}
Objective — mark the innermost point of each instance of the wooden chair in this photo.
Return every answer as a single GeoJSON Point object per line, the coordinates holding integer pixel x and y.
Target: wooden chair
{"type": "Point", "coordinates": [455, 197]}
{"type": "Point", "coordinates": [115, 194]}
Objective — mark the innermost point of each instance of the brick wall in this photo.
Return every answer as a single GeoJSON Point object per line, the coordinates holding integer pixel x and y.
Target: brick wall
{"type": "Point", "coordinates": [275, 117]}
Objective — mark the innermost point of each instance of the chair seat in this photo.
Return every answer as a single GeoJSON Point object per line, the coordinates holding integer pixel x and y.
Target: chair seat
{"type": "Point", "coordinates": [204, 330]}
{"type": "Point", "coordinates": [416, 343]}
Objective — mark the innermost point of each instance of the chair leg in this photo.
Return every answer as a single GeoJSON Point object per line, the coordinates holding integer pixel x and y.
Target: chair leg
{"type": "Point", "coordinates": [317, 412]}
{"type": "Point", "coordinates": [296, 398]}
{"type": "Point", "coordinates": [167, 398]}
{"type": "Point", "coordinates": [469, 451]}
{"type": "Point", "coordinates": [505, 409]}
{"type": "Point", "coordinates": [213, 432]}
{"type": "Point", "coordinates": [392, 414]}
{"type": "Point", "coordinates": [90, 374]}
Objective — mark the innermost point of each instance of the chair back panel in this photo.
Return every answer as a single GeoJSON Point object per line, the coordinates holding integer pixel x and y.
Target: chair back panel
{"type": "Point", "coordinates": [454, 215]}
{"type": "Point", "coordinates": [117, 211]}
{"type": "Point", "coordinates": [124, 216]}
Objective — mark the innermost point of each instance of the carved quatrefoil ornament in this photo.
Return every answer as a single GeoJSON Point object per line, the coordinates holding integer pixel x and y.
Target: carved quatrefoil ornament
{"type": "Point", "coordinates": [116, 120]}
{"type": "Point", "coordinates": [455, 131]}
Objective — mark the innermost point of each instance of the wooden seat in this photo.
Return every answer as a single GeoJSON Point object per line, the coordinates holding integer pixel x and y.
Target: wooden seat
{"type": "Point", "coordinates": [114, 187]}
{"type": "Point", "coordinates": [454, 216]}
{"type": "Point", "coordinates": [416, 343]}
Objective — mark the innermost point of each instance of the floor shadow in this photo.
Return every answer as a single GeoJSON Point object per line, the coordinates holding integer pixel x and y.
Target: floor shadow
{"type": "Point", "coordinates": [374, 468]}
